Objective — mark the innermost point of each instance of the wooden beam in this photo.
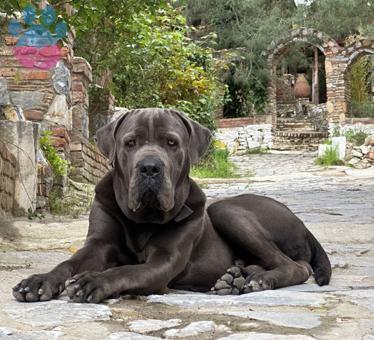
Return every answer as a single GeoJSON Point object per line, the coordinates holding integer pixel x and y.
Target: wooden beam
{"type": "Point", "coordinates": [315, 78]}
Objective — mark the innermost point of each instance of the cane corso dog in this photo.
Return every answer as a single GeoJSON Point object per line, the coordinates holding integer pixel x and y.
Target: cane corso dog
{"type": "Point", "coordinates": [150, 228]}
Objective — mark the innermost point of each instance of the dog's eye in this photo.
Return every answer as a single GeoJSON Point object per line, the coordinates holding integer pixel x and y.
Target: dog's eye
{"type": "Point", "coordinates": [131, 143]}
{"type": "Point", "coordinates": [172, 142]}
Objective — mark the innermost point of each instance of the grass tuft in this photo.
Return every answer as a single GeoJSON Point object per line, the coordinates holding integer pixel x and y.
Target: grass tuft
{"type": "Point", "coordinates": [215, 165]}
{"type": "Point", "coordinates": [330, 157]}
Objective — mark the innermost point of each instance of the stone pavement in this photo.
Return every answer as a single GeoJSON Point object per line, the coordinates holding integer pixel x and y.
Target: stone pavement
{"type": "Point", "coordinates": [338, 208]}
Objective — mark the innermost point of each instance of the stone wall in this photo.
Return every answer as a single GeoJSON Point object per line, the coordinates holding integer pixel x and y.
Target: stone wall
{"type": "Point", "coordinates": [89, 165]}
{"type": "Point", "coordinates": [8, 168]}
{"type": "Point", "coordinates": [338, 61]}
{"type": "Point", "coordinates": [244, 138]}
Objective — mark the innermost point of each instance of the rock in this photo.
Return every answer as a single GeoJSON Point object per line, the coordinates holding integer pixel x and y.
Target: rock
{"type": "Point", "coordinates": [131, 336]}
{"type": "Point", "coordinates": [56, 312]}
{"type": "Point", "coordinates": [357, 153]}
{"type": "Point", "coordinates": [265, 336]}
{"type": "Point", "coordinates": [354, 161]}
{"type": "Point", "coordinates": [363, 164]}
{"type": "Point", "coordinates": [369, 140]}
{"type": "Point", "coordinates": [365, 149]}
{"type": "Point", "coordinates": [4, 94]}
{"type": "Point", "coordinates": [193, 329]}
{"type": "Point", "coordinates": [286, 319]}
{"type": "Point", "coordinates": [151, 325]}
{"type": "Point", "coordinates": [61, 78]}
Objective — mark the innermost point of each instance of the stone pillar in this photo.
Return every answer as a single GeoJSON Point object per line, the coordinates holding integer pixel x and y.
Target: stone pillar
{"type": "Point", "coordinates": [81, 79]}
{"type": "Point", "coordinates": [21, 138]}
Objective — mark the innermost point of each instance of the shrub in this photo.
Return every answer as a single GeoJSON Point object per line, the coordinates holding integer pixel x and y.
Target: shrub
{"type": "Point", "coordinates": [356, 137]}
{"type": "Point", "coordinates": [59, 165]}
{"type": "Point", "coordinates": [330, 157]}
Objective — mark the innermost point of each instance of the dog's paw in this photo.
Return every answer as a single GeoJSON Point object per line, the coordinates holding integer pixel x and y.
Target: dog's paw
{"type": "Point", "coordinates": [258, 280]}
{"type": "Point", "coordinates": [40, 287]}
{"type": "Point", "coordinates": [231, 283]}
{"type": "Point", "coordinates": [90, 287]}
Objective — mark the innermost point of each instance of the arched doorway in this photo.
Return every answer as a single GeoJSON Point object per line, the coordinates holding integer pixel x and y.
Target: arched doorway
{"type": "Point", "coordinates": [359, 79]}
{"type": "Point", "coordinates": [324, 50]}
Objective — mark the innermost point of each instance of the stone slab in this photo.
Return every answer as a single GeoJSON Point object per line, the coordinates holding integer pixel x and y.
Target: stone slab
{"type": "Point", "coordinates": [131, 336]}
{"type": "Point", "coordinates": [56, 312]}
{"type": "Point", "coordinates": [151, 325]}
{"type": "Point", "coordinates": [267, 298]}
{"type": "Point", "coordinates": [193, 329]}
{"type": "Point", "coordinates": [265, 336]}
{"type": "Point", "coordinates": [286, 319]}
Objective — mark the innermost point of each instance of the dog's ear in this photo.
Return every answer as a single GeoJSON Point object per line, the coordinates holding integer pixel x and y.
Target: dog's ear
{"type": "Point", "coordinates": [105, 138]}
{"type": "Point", "coordinates": [200, 137]}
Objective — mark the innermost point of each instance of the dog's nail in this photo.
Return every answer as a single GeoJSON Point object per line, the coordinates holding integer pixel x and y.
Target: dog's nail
{"type": "Point", "coordinates": [40, 291]}
{"type": "Point", "coordinates": [21, 290]}
{"type": "Point", "coordinates": [89, 299]}
{"type": "Point", "coordinates": [70, 281]}
{"type": "Point", "coordinates": [76, 286]}
{"type": "Point", "coordinates": [78, 293]}
{"type": "Point", "coordinates": [27, 289]}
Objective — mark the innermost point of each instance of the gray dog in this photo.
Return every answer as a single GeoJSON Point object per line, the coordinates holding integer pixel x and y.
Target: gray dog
{"type": "Point", "coordinates": [150, 229]}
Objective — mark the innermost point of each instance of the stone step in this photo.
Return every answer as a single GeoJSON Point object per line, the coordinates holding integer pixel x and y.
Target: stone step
{"type": "Point", "coordinates": [298, 140]}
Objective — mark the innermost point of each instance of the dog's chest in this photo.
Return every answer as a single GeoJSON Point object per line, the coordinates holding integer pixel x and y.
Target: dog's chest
{"type": "Point", "coordinates": [137, 240]}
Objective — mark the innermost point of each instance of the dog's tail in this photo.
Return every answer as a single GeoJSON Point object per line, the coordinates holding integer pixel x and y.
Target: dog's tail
{"type": "Point", "coordinates": [320, 262]}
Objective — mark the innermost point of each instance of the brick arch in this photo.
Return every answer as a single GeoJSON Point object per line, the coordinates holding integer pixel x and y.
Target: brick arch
{"type": "Point", "coordinates": [353, 52]}
{"type": "Point", "coordinates": [311, 36]}
{"type": "Point", "coordinates": [329, 47]}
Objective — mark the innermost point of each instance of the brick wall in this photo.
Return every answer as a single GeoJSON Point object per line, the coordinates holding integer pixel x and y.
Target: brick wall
{"type": "Point", "coordinates": [8, 166]}
{"type": "Point", "coordinates": [237, 122]}
{"type": "Point", "coordinates": [89, 164]}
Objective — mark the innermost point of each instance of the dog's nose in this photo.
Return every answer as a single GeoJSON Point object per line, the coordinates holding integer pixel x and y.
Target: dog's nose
{"type": "Point", "coordinates": [150, 167]}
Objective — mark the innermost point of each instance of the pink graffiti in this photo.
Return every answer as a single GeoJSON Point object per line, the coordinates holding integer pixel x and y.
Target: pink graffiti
{"type": "Point", "coordinates": [43, 58]}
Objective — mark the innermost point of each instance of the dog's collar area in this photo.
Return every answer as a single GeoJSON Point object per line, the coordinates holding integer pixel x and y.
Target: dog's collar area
{"type": "Point", "coordinates": [185, 212]}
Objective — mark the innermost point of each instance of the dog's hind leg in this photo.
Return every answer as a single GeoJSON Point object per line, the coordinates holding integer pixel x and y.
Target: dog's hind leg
{"type": "Point", "coordinates": [269, 268]}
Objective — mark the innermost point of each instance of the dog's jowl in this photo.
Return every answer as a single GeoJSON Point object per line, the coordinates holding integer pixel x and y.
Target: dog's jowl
{"type": "Point", "coordinates": [150, 228]}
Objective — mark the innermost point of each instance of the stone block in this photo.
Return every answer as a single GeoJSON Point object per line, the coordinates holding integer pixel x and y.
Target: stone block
{"type": "Point", "coordinates": [22, 139]}
{"type": "Point", "coordinates": [34, 115]}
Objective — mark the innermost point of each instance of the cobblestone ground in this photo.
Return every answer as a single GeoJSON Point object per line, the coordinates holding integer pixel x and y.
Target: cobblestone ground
{"type": "Point", "coordinates": [337, 205]}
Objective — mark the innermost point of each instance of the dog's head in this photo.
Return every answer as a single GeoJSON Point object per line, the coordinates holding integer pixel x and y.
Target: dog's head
{"type": "Point", "coordinates": [151, 151]}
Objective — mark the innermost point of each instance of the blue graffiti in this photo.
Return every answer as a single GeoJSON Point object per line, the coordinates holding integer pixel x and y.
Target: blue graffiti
{"type": "Point", "coordinates": [38, 34]}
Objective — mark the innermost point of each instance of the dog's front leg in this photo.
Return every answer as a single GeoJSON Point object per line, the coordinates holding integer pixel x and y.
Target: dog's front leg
{"type": "Point", "coordinates": [150, 277]}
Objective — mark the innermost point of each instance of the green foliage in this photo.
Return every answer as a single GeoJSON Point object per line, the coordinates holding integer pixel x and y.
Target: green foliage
{"type": "Point", "coordinates": [361, 72]}
{"type": "Point", "coordinates": [152, 61]}
{"type": "Point", "coordinates": [356, 137]}
{"type": "Point", "coordinates": [362, 110]}
{"type": "Point", "coordinates": [330, 157]}
{"type": "Point", "coordinates": [216, 164]}
{"type": "Point", "coordinates": [59, 165]}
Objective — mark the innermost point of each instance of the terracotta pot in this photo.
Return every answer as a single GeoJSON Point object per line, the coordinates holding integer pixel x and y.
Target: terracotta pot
{"type": "Point", "coordinates": [302, 87]}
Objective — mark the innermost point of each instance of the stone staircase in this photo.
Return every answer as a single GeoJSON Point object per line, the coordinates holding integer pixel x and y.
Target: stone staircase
{"type": "Point", "coordinates": [297, 134]}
